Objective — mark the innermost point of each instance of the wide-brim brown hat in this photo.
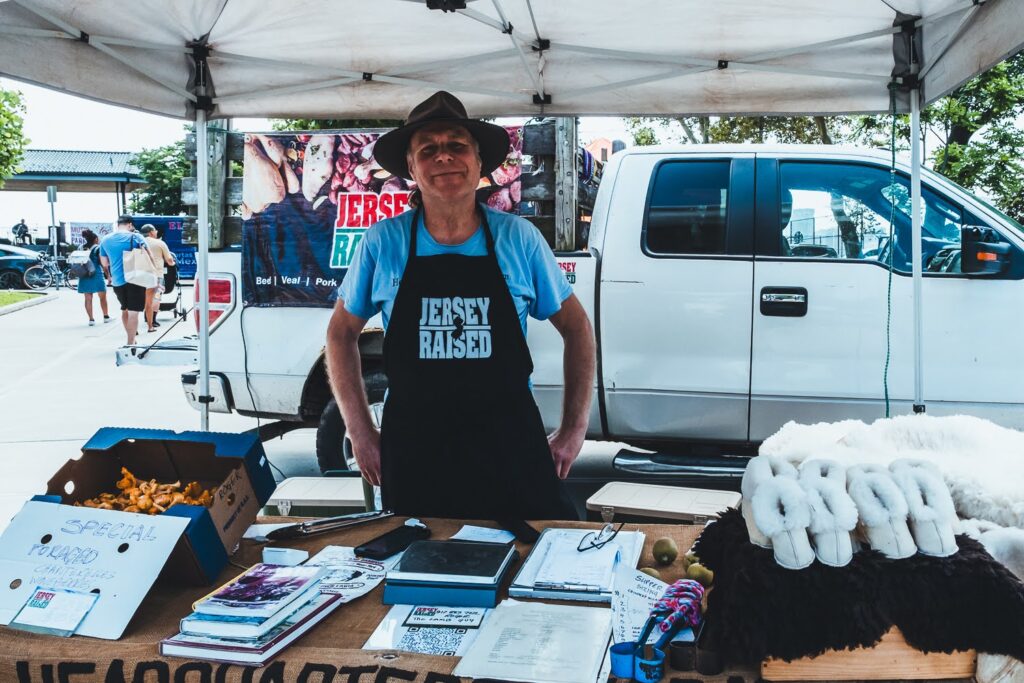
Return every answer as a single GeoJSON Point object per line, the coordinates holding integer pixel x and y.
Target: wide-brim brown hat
{"type": "Point", "coordinates": [441, 107]}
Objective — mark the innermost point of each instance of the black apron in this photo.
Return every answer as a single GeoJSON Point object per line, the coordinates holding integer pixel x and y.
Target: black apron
{"type": "Point", "coordinates": [461, 435]}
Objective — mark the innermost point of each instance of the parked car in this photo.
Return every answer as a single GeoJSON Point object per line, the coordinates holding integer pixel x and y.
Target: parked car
{"type": "Point", "coordinates": [14, 261]}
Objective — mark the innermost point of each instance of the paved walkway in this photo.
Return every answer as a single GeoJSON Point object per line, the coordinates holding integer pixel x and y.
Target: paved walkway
{"type": "Point", "coordinates": [59, 384]}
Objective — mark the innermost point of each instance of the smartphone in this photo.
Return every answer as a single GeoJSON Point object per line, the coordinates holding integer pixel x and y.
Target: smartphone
{"type": "Point", "coordinates": [392, 542]}
{"type": "Point", "coordinates": [523, 532]}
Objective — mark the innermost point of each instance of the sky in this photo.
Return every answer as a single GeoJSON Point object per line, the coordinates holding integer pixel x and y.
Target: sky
{"type": "Point", "coordinates": [56, 120]}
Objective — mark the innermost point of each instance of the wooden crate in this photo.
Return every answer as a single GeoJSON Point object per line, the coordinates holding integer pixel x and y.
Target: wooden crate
{"type": "Point", "coordinates": [892, 658]}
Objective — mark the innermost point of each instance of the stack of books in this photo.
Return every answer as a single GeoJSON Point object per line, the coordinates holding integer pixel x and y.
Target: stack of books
{"type": "Point", "coordinates": [449, 574]}
{"type": "Point", "coordinates": [254, 616]}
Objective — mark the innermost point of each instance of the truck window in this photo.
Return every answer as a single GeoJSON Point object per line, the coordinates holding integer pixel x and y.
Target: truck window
{"type": "Point", "coordinates": [835, 210]}
{"type": "Point", "coordinates": [687, 209]}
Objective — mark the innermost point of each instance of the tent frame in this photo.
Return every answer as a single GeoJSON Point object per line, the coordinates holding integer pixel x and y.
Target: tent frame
{"type": "Point", "coordinates": [522, 45]}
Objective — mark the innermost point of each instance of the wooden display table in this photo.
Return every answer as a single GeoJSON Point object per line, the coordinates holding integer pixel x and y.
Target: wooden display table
{"type": "Point", "coordinates": [892, 658]}
{"type": "Point", "coordinates": [330, 652]}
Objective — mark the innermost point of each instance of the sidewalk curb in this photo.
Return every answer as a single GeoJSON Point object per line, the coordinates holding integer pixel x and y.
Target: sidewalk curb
{"type": "Point", "coordinates": [34, 301]}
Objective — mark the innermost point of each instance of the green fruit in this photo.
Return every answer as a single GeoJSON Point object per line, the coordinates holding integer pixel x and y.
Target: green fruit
{"type": "Point", "coordinates": [651, 571]}
{"type": "Point", "coordinates": [691, 558]}
{"type": "Point", "coordinates": [665, 551]}
{"type": "Point", "coordinates": [700, 573]}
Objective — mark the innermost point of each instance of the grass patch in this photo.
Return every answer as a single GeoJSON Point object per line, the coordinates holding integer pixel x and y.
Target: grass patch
{"type": "Point", "coordinates": [8, 298]}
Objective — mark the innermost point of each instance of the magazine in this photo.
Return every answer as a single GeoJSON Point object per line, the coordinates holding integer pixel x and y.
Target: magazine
{"type": "Point", "coordinates": [252, 652]}
{"type": "Point", "coordinates": [243, 626]}
{"type": "Point", "coordinates": [261, 592]}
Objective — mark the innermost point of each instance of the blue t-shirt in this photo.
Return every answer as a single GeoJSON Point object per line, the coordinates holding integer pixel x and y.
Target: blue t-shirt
{"type": "Point", "coordinates": [113, 247]}
{"type": "Point", "coordinates": [537, 284]}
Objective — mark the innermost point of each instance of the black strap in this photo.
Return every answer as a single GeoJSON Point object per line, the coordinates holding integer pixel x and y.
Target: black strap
{"type": "Point", "coordinates": [418, 213]}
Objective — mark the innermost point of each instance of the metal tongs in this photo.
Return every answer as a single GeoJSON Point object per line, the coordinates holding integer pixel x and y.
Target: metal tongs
{"type": "Point", "coordinates": [319, 526]}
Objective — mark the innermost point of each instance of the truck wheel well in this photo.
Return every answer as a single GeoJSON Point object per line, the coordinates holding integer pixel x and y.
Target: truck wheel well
{"type": "Point", "coordinates": [317, 391]}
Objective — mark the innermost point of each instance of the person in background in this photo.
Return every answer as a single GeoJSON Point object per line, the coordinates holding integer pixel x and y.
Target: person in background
{"type": "Point", "coordinates": [95, 283]}
{"type": "Point", "coordinates": [163, 257]}
{"type": "Point", "coordinates": [112, 250]}
{"type": "Point", "coordinates": [21, 233]}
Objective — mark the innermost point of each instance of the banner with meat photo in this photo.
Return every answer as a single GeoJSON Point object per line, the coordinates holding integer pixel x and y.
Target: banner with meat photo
{"type": "Point", "coordinates": [308, 199]}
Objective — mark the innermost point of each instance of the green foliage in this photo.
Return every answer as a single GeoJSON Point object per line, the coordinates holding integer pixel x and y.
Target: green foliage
{"type": "Point", "coordinates": [704, 129]}
{"type": "Point", "coordinates": [333, 124]}
{"type": "Point", "coordinates": [980, 145]}
{"type": "Point", "coordinates": [163, 168]}
{"type": "Point", "coordinates": [12, 137]}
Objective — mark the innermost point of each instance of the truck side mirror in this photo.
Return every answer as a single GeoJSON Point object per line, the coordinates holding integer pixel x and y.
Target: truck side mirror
{"type": "Point", "coordinates": [984, 253]}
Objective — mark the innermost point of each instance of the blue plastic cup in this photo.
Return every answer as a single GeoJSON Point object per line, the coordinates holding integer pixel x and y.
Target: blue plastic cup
{"type": "Point", "coordinates": [649, 670]}
{"type": "Point", "coordinates": [622, 659]}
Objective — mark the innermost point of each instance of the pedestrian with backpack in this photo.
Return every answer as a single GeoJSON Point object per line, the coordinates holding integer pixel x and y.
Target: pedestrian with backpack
{"type": "Point", "coordinates": [85, 265]}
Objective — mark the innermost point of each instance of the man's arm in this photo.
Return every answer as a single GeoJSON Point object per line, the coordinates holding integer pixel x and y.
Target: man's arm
{"type": "Point", "coordinates": [345, 375]}
{"type": "Point", "coordinates": [579, 359]}
{"type": "Point", "coordinates": [105, 265]}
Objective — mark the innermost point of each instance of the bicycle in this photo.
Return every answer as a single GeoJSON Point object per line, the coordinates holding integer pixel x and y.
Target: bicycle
{"type": "Point", "coordinates": [49, 272]}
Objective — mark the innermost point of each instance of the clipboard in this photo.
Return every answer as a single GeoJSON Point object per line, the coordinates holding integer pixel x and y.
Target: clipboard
{"type": "Point", "coordinates": [630, 543]}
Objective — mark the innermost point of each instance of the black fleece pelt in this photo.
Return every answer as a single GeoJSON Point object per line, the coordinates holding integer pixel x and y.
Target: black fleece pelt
{"type": "Point", "coordinates": [758, 609]}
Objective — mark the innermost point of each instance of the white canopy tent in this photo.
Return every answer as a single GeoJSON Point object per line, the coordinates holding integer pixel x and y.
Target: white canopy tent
{"type": "Point", "coordinates": [197, 59]}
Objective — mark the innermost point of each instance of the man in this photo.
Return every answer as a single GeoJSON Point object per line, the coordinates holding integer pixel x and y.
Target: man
{"type": "Point", "coordinates": [163, 257]}
{"type": "Point", "coordinates": [21, 233]}
{"type": "Point", "coordinates": [461, 434]}
{"type": "Point", "coordinates": [131, 297]}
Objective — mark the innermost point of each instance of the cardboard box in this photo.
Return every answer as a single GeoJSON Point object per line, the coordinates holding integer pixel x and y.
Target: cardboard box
{"type": "Point", "coordinates": [234, 463]}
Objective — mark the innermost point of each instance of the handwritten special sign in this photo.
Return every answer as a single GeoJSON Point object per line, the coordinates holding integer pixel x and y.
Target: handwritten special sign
{"type": "Point", "coordinates": [117, 555]}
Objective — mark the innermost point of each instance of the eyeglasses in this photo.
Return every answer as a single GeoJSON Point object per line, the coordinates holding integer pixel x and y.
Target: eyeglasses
{"type": "Point", "coordinates": [599, 539]}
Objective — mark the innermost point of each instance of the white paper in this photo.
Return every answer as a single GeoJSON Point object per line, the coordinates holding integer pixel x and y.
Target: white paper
{"type": "Point", "coordinates": [339, 554]}
{"type": "Point", "coordinates": [393, 634]}
{"type": "Point", "coordinates": [119, 554]}
{"type": "Point", "coordinates": [629, 543]}
{"type": "Point", "coordinates": [632, 600]}
{"type": "Point", "coordinates": [540, 643]}
{"type": "Point", "coordinates": [352, 578]}
{"type": "Point", "coordinates": [60, 611]}
{"type": "Point", "coordinates": [483, 534]}
{"type": "Point", "coordinates": [564, 564]}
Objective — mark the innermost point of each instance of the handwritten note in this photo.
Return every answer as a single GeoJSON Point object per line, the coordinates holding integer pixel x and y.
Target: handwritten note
{"type": "Point", "coordinates": [116, 555]}
{"type": "Point", "coordinates": [632, 599]}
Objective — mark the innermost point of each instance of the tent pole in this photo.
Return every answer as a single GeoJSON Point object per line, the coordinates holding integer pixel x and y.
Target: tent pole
{"type": "Point", "coordinates": [916, 246]}
{"type": "Point", "coordinates": [202, 276]}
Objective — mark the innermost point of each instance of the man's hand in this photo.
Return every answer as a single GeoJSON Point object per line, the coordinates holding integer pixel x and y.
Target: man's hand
{"type": "Point", "coordinates": [565, 447]}
{"type": "Point", "coordinates": [579, 358]}
{"type": "Point", "coordinates": [367, 452]}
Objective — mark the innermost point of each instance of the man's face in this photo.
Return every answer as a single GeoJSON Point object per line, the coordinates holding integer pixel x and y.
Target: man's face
{"type": "Point", "coordinates": [444, 162]}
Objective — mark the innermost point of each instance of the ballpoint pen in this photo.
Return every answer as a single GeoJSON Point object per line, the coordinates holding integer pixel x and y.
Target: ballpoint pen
{"type": "Point", "coordinates": [317, 526]}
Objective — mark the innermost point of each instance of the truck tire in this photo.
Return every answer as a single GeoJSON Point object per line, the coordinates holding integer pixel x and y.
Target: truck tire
{"type": "Point", "coordinates": [331, 441]}
{"type": "Point", "coordinates": [333, 449]}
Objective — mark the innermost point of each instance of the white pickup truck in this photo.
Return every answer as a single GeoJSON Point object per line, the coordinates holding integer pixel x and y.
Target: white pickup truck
{"type": "Point", "coordinates": [732, 289]}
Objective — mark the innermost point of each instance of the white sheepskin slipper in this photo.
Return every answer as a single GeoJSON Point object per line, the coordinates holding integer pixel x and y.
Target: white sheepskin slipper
{"type": "Point", "coordinates": [759, 470]}
{"type": "Point", "coordinates": [933, 520]}
{"type": "Point", "coordinates": [782, 513]}
{"type": "Point", "coordinates": [883, 510]}
{"type": "Point", "coordinates": [833, 518]}
{"type": "Point", "coordinates": [819, 468]}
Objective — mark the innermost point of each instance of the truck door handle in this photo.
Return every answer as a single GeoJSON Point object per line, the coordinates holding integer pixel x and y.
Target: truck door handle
{"type": "Point", "coordinates": [787, 302]}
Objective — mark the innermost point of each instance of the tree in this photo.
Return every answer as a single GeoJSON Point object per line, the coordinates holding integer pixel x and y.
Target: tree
{"type": "Point", "coordinates": [704, 129]}
{"type": "Point", "coordinates": [980, 145]}
{"type": "Point", "coordinates": [333, 124]}
{"type": "Point", "coordinates": [163, 168]}
{"type": "Point", "coordinates": [12, 137]}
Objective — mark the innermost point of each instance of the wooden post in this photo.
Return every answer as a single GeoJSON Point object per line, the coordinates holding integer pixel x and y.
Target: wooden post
{"type": "Point", "coordinates": [565, 183]}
